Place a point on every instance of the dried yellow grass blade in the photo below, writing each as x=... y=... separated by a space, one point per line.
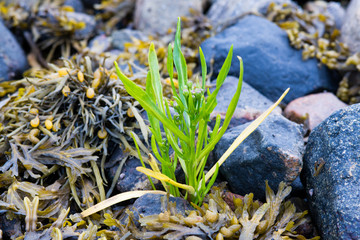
x=247 y=131
x=163 y=177
x=117 y=199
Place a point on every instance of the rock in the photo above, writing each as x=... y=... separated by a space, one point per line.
x=350 y=31
x=120 y=37
x=89 y=21
x=333 y=190
x=12 y=57
x=270 y=64
x=315 y=108
x=130 y=179
x=158 y=16
x=272 y=152
x=222 y=11
x=100 y=44
x=334 y=10
x=150 y=204
x=251 y=103
x=77 y=5
x=11 y=229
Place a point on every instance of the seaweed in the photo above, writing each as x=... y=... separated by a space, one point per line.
x=275 y=219
x=315 y=33
x=53 y=127
x=46 y=26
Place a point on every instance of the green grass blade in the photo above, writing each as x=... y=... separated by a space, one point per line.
x=155 y=77
x=146 y=102
x=169 y=62
x=229 y=114
x=203 y=68
x=141 y=159
x=180 y=63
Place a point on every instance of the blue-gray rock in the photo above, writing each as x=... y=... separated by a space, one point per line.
x=13 y=61
x=251 y=103
x=89 y=21
x=130 y=179
x=272 y=152
x=156 y=17
x=350 y=31
x=222 y=11
x=77 y=5
x=150 y=204
x=100 y=44
x=333 y=10
x=270 y=64
x=120 y=37
x=334 y=189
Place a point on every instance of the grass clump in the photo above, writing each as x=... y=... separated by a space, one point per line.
x=186 y=131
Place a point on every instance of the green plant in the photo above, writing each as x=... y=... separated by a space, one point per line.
x=186 y=132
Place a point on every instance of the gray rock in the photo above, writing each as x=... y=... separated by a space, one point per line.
x=89 y=21
x=13 y=61
x=350 y=31
x=150 y=204
x=10 y=228
x=158 y=16
x=100 y=44
x=120 y=37
x=130 y=179
x=272 y=152
x=222 y=11
x=270 y=64
x=251 y=103
x=77 y=5
x=334 y=192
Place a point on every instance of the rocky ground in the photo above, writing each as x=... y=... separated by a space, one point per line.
x=311 y=142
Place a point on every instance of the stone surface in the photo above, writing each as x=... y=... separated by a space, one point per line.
x=76 y=4
x=334 y=192
x=272 y=152
x=333 y=10
x=270 y=64
x=130 y=179
x=251 y=103
x=100 y=44
x=12 y=57
x=89 y=21
x=150 y=204
x=10 y=228
x=158 y=16
x=315 y=108
x=350 y=31
x=222 y=11
x=120 y=37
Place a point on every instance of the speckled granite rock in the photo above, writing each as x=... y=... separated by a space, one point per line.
x=334 y=189
x=272 y=152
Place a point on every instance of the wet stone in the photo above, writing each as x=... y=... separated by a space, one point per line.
x=250 y=105
x=332 y=174
x=271 y=65
x=350 y=31
x=130 y=179
x=313 y=108
x=147 y=14
x=150 y=204
x=272 y=152
x=220 y=12
x=12 y=57
x=120 y=37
